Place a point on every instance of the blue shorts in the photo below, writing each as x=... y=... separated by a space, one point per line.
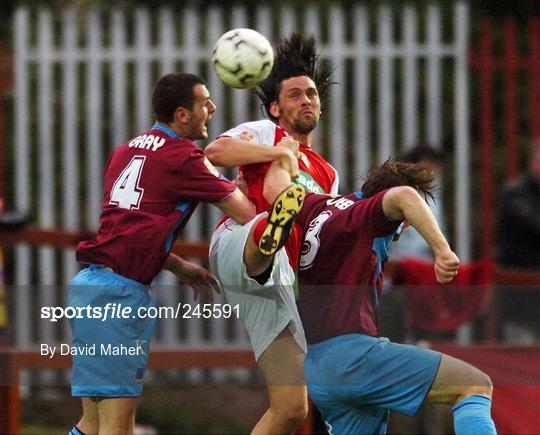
x=356 y=379
x=110 y=354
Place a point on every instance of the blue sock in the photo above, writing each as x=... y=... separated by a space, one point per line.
x=75 y=431
x=472 y=415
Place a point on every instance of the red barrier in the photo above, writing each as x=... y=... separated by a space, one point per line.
x=486 y=66
x=510 y=68
x=488 y=62
x=13 y=360
x=534 y=82
x=515 y=373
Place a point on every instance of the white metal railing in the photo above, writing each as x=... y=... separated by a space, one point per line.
x=83 y=81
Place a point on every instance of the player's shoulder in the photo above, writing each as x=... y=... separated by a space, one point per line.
x=262 y=131
x=314 y=203
x=261 y=125
x=314 y=198
x=371 y=201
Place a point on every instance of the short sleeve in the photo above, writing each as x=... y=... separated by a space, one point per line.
x=370 y=211
x=200 y=180
x=260 y=132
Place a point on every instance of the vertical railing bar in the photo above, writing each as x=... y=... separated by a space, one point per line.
x=338 y=154
x=22 y=198
x=119 y=74
x=166 y=46
x=410 y=78
x=142 y=71
x=385 y=85
x=462 y=117
x=70 y=155
x=46 y=196
x=433 y=118
x=313 y=28
x=94 y=119
x=362 y=125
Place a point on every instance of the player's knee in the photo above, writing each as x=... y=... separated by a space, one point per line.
x=296 y=416
x=293 y=413
x=482 y=386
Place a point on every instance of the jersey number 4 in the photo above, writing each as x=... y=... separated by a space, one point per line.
x=126 y=192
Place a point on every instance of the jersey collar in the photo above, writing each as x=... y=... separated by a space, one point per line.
x=167 y=130
x=286 y=134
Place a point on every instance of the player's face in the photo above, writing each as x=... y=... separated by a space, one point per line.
x=298 y=107
x=200 y=114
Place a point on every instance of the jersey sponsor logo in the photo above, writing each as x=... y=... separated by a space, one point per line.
x=307 y=182
x=147 y=141
x=211 y=168
x=311 y=244
x=245 y=135
x=340 y=202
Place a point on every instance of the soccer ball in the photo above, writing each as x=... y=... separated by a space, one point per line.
x=242 y=58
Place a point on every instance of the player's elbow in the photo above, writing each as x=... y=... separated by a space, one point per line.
x=244 y=211
x=216 y=152
x=245 y=215
x=238 y=207
x=296 y=416
x=481 y=386
x=291 y=413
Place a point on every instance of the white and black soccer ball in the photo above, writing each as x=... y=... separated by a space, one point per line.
x=242 y=58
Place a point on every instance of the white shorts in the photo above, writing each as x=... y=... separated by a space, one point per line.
x=266 y=310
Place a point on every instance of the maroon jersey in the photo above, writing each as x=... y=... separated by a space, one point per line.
x=152 y=185
x=344 y=246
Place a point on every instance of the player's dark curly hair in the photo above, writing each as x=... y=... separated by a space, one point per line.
x=296 y=56
x=393 y=174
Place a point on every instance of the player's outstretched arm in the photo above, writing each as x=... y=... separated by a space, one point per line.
x=404 y=202
x=231 y=152
x=238 y=207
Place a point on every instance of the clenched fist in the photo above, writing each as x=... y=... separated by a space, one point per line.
x=446 y=266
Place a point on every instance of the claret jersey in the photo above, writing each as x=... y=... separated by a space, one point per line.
x=152 y=185
x=344 y=246
x=316 y=174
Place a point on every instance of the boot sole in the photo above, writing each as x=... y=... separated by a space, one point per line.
x=281 y=219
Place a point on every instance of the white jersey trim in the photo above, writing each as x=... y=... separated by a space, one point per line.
x=260 y=132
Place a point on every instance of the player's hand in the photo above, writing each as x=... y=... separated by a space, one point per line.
x=291 y=144
x=199 y=279
x=289 y=162
x=446 y=266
